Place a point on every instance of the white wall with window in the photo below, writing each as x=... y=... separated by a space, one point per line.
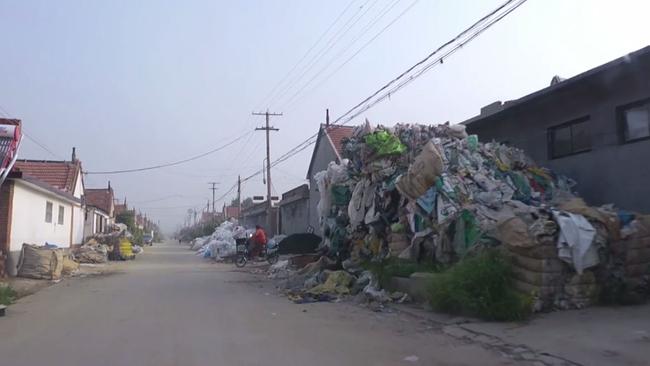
x=39 y=216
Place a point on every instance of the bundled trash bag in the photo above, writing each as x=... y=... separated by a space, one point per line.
x=40 y=262
x=422 y=174
x=91 y=253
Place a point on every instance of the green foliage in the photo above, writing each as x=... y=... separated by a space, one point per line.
x=137 y=236
x=480 y=286
x=127 y=218
x=7 y=295
x=396 y=267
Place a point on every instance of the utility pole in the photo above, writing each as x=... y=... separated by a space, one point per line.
x=239 y=197
x=213 y=189
x=268 y=129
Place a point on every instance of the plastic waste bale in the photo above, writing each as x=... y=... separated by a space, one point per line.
x=40 y=262
x=91 y=253
x=422 y=174
x=221 y=249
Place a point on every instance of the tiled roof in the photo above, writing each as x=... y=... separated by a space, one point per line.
x=337 y=134
x=334 y=134
x=120 y=208
x=101 y=198
x=59 y=174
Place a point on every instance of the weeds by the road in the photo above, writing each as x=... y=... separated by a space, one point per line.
x=395 y=267
x=480 y=286
x=7 y=295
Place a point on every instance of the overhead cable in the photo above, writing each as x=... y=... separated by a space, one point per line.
x=164 y=165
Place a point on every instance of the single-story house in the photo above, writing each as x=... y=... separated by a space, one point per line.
x=100 y=210
x=593 y=127
x=40 y=203
x=328 y=148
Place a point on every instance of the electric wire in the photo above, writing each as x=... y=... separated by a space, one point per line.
x=355 y=54
x=482 y=24
x=165 y=165
x=389 y=6
x=330 y=44
x=284 y=78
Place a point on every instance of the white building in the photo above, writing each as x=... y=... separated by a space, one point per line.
x=100 y=210
x=41 y=202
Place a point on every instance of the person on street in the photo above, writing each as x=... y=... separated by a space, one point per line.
x=259 y=240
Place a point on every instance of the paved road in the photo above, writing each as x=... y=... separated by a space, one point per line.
x=169 y=307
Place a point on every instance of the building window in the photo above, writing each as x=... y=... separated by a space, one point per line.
x=635 y=121
x=61 y=214
x=48 y=211
x=569 y=138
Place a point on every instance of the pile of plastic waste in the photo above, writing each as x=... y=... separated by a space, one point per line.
x=222 y=243
x=434 y=194
x=430 y=193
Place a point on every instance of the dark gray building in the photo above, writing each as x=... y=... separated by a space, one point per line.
x=294 y=211
x=594 y=128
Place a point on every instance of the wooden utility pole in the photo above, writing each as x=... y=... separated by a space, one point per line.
x=268 y=129
x=239 y=197
x=213 y=189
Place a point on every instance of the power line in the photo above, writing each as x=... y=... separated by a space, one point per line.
x=284 y=78
x=172 y=163
x=330 y=44
x=467 y=36
x=370 y=41
x=428 y=57
x=363 y=32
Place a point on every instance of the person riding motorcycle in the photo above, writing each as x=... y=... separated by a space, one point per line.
x=258 y=241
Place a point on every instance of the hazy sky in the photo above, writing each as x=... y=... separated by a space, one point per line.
x=137 y=83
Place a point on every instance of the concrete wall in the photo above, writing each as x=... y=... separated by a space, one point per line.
x=613 y=171
x=257 y=215
x=323 y=156
x=28 y=221
x=294 y=211
x=294 y=217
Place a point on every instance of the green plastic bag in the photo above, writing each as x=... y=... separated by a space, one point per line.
x=341 y=195
x=385 y=144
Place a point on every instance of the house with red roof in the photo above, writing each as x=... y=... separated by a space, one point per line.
x=41 y=202
x=99 y=210
x=328 y=148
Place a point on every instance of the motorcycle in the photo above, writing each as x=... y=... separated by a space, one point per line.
x=271 y=255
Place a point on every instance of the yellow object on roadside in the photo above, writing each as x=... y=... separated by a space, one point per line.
x=126 y=249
